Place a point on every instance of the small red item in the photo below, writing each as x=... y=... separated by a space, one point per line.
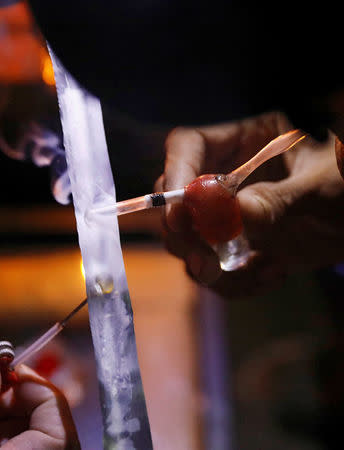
x=47 y=363
x=214 y=209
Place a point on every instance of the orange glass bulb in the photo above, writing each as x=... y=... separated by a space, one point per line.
x=213 y=208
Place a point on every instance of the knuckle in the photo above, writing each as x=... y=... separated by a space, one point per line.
x=182 y=135
x=173 y=135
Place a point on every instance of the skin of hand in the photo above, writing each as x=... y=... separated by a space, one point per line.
x=291 y=206
x=34 y=415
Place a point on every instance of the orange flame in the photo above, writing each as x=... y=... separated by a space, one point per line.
x=82 y=269
x=47 y=69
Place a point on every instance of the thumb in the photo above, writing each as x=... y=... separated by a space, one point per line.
x=263 y=204
x=185 y=150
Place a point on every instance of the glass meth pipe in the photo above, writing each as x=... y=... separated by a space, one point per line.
x=9 y=361
x=46 y=337
x=212 y=203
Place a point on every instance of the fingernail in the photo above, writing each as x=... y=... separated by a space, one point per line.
x=194 y=263
x=210 y=270
x=204 y=268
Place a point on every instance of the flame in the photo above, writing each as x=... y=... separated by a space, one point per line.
x=82 y=269
x=47 y=69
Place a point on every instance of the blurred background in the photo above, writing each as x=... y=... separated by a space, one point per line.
x=263 y=373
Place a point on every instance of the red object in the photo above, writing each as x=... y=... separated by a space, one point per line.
x=8 y=376
x=47 y=363
x=214 y=209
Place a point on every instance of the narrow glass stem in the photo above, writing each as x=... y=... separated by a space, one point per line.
x=38 y=344
x=277 y=146
x=46 y=337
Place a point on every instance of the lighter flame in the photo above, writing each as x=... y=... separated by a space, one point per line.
x=47 y=70
x=82 y=269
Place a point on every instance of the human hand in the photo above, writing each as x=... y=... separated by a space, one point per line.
x=291 y=206
x=35 y=415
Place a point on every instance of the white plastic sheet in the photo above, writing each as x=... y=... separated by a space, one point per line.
x=125 y=417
